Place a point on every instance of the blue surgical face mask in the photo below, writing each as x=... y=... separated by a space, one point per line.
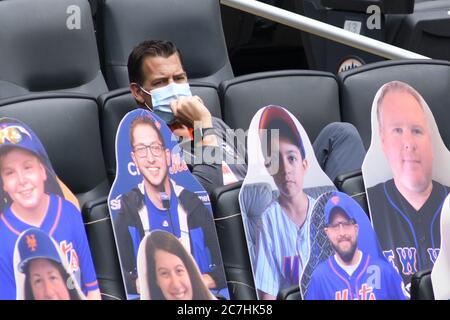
x=162 y=97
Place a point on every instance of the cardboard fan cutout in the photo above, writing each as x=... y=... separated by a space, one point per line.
x=44 y=269
x=283 y=174
x=346 y=262
x=406 y=174
x=440 y=275
x=32 y=196
x=154 y=190
x=167 y=271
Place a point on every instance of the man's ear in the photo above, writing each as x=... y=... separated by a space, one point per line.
x=137 y=93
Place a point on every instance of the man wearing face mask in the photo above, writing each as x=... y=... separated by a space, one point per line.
x=159 y=82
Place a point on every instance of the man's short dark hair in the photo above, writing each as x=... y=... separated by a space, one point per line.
x=148 y=48
x=145 y=120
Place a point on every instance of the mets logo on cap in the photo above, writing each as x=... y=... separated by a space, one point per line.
x=342 y=202
x=33 y=244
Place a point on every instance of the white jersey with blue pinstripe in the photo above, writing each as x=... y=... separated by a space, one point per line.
x=283 y=249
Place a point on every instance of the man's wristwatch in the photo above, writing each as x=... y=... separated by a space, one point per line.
x=199 y=133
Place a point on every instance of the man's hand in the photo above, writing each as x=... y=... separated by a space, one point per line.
x=190 y=110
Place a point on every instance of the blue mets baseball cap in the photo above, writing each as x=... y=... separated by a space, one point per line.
x=276 y=117
x=33 y=244
x=15 y=134
x=342 y=203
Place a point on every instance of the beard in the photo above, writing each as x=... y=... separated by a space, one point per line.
x=346 y=255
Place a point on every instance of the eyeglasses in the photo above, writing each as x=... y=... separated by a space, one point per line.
x=345 y=225
x=156 y=150
x=13 y=134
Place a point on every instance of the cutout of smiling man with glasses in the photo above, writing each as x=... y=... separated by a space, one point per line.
x=350 y=273
x=159 y=204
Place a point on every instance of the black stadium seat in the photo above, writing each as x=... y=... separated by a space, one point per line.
x=115 y=104
x=431 y=78
x=48 y=45
x=290 y=293
x=311 y=96
x=237 y=27
x=68 y=126
x=232 y=240
x=352 y=183
x=193 y=25
x=421 y=286
x=427 y=30
x=104 y=251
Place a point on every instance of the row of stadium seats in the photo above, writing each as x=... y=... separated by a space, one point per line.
x=317 y=92
x=79 y=132
x=319 y=104
x=51 y=44
x=53 y=82
x=67 y=50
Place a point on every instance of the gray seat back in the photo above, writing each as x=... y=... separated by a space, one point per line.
x=431 y=78
x=48 y=45
x=311 y=96
x=421 y=286
x=193 y=25
x=232 y=240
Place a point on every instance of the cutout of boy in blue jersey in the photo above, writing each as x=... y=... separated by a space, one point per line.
x=32 y=197
x=350 y=273
x=283 y=246
x=157 y=203
x=46 y=273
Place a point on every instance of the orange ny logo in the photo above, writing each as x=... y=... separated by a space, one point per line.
x=335 y=200
x=31 y=242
